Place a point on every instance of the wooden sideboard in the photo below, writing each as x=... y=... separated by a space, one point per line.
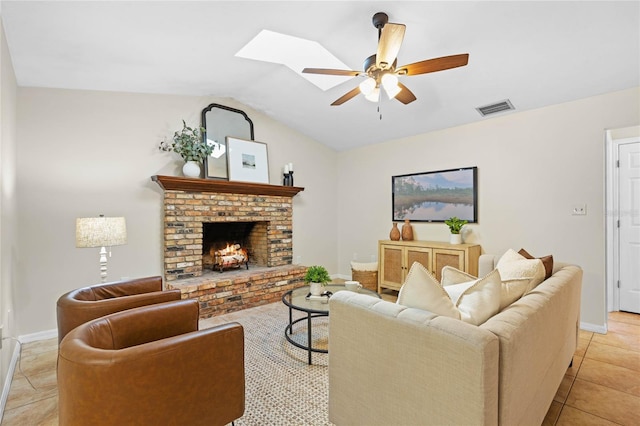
x=396 y=258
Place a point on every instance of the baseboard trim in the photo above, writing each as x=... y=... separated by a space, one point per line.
x=41 y=335
x=15 y=358
x=9 y=379
x=601 y=329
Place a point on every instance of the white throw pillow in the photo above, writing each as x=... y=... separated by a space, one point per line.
x=455 y=282
x=513 y=290
x=481 y=300
x=455 y=290
x=513 y=266
x=451 y=275
x=475 y=301
x=423 y=291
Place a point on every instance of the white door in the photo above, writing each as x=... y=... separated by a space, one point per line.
x=629 y=228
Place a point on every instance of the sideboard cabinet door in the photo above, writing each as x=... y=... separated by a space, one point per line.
x=396 y=257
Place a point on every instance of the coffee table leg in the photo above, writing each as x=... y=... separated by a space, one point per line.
x=290 y=321
x=309 y=342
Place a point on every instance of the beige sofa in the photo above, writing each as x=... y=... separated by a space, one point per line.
x=393 y=365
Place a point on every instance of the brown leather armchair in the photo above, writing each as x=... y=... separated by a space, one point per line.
x=84 y=304
x=151 y=366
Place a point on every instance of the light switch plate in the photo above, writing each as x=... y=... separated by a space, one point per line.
x=579 y=210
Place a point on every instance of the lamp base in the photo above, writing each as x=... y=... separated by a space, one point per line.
x=103 y=264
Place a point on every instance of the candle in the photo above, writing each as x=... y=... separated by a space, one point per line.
x=290 y=167
x=286 y=168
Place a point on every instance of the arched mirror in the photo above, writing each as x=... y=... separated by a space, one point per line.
x=220 y=121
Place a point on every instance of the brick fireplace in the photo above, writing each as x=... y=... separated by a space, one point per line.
x=195 y=207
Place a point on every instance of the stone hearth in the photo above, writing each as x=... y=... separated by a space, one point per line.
x=190 y=203
x=240 y=289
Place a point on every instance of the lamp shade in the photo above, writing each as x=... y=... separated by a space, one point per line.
x=100 y=231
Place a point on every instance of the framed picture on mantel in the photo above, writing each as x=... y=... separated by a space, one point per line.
x=247 y=160
x=436 y=196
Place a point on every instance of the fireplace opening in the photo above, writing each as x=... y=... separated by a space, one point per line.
x=234 y=240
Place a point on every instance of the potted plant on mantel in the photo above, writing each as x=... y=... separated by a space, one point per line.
x=317 y=277
x=190 y=145
x=455 y=226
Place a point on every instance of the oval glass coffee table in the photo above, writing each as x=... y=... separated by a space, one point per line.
x=314 y=308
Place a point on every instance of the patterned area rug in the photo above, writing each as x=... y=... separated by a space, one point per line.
x=281 y=388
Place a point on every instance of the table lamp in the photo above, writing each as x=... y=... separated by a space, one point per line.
x=101 y=232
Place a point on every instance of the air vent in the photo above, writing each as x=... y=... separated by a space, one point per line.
x=505 y=105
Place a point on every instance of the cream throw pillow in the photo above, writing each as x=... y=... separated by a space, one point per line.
x=513 y=290
x=515 y=267
x=455 y=282
x=456 y=290
x=475 y=302
x=423 y=291
x=481 y=300
x=476 y=299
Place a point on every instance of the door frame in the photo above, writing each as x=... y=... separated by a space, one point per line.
x=611 y=217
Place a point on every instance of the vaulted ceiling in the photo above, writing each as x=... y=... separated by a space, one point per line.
x=534 y=53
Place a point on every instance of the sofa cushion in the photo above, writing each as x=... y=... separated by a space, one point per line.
x=515 y=267
x=455 y=282
x=422 y=290
x=547 y=261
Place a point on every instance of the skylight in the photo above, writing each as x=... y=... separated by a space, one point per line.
x=295 y=53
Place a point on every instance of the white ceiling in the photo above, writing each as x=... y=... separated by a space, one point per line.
x=534 y=53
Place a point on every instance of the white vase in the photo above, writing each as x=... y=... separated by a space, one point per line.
x=191 y=169
x=316 y=289
x=456 y=239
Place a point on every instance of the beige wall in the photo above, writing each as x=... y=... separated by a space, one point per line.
x=533 y=167
x=85 y=153
x=7 y=203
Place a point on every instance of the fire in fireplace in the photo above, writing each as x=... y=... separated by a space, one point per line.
x=232 y=256
x=227 y=245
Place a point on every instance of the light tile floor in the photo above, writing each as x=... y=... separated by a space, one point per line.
x=601 y=388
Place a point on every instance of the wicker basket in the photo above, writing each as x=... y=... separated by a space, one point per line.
x=368 y=279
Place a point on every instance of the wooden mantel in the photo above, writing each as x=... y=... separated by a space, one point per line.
x=175 y=183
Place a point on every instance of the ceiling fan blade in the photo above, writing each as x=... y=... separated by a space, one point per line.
x=389 y=45
x=405 y=95
x=433 y=65
x=330 y=71
x=344 y=98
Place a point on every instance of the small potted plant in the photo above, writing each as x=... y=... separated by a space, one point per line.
x=455 y=226
x=317 y=277
x=189 y=144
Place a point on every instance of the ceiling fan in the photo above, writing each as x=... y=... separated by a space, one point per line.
x=381 y=70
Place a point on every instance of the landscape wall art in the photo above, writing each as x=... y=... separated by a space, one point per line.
x=436 y=196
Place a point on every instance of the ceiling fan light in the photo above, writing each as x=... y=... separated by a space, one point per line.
x=392 y=92
x=367 y=86
x=374 y=95
x=389 y=81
